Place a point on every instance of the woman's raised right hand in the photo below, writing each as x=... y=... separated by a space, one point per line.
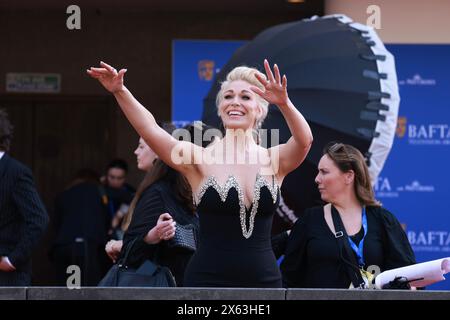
x=108 y=77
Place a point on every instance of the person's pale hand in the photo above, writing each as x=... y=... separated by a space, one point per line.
x=108 y=77
x=275 y=87
x=164 y=229
x=113 y=248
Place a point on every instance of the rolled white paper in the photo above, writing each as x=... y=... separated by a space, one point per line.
x=431 y=272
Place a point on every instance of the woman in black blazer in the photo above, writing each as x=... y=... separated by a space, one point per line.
x=313 y=258
x=162 y=201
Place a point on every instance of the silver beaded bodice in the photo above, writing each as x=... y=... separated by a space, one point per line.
x=231 y=182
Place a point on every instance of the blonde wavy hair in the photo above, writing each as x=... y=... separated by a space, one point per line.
x=248 y=75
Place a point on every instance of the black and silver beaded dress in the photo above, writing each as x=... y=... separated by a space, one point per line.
x=235 y=242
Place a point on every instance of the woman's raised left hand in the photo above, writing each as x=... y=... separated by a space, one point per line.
x=275 y=86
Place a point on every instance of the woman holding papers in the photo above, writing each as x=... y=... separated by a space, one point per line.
x=335 y=245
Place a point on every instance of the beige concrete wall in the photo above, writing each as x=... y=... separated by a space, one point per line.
x=402 y=21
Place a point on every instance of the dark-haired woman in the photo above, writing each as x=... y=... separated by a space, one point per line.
x=163 y=200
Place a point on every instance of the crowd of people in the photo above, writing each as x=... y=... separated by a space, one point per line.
x=190 y=192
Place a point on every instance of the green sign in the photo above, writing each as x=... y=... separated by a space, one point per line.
x=33 y=82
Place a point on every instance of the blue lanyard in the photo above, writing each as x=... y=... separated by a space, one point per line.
x=359 y=250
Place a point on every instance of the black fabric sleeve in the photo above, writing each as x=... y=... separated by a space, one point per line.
x=146 y=213
x=279 y=242
x=398 y=249
x=294 y=261
x=32 y=210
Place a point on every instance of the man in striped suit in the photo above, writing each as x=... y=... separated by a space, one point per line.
x=23 y=218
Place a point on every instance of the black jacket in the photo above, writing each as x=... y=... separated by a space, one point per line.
x=158 y=198
x=312 y=258
x=23 y=218
x=80 y=213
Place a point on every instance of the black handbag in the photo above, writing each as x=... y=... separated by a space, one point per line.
x=184 y=238
x=401 y=283
x=149 y=274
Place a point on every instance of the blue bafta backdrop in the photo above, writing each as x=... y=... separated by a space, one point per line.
x=414 y=183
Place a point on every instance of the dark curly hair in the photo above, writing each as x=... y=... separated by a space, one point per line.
x=6 y=131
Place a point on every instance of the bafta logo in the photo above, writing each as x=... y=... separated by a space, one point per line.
x=206 y=70
x=401 y=127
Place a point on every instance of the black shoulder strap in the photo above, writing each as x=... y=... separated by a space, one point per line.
x=123 y=261
x=346 y=253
